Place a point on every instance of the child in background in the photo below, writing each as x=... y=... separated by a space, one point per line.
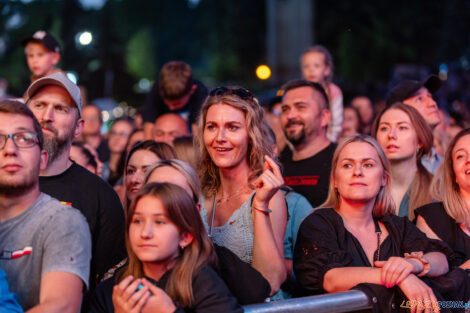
x=42 y=54
x=317 y=66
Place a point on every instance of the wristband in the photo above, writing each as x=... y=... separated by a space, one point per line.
x=266 y=212
x=419 y=256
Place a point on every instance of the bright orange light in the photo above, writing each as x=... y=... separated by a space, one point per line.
x=263 y=72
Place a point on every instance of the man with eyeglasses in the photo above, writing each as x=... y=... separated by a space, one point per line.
x=45 y=246
x=55 y=101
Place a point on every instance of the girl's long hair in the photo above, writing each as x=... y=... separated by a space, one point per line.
x=420 y=193
x=182 y=212
x=445 y=188
x=383 y=201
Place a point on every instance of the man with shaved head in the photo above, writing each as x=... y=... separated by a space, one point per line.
x=168 y=127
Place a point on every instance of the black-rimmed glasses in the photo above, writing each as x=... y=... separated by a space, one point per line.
x=24 y=139
x=240 y=92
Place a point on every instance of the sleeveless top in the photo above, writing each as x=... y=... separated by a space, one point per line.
x=237 y=233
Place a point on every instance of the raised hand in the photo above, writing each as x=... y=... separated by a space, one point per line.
x=396 y=269
x=267 y=184
x=126 y=297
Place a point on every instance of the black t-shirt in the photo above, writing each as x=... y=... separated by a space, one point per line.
x=310 y=177
x=209 y=292
x=154 y=105
x=446 y=228
x=102 y=209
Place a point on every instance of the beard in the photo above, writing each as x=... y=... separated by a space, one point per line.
x=295 y=138
x=22 y=186
x=56 y=144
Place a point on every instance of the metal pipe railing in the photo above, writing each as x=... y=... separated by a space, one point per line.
x=328 y=303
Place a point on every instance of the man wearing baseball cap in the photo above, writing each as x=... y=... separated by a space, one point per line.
x=42 y=54
x=418 y=94
x=56 y=103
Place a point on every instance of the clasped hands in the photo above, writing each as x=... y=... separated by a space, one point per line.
x=128 y=298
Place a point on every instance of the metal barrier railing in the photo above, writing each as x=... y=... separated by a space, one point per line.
x=340 y=302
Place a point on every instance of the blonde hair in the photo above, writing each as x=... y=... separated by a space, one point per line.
x=383 y=202
x=184 y=149
x=181 y=211
x=185 y=169
x=260 y=142
x=445 y=188
x=422 y=180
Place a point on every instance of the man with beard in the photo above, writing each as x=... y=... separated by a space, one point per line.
x=304 y=118
x=45 y=246
x=55 y=101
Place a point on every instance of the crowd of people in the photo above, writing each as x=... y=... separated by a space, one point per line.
x=211 y=200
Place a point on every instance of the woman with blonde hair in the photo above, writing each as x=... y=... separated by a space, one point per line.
x=405 y=138
x=355 y=237
x=449 y=219
x=241 y=203
x=169 y=259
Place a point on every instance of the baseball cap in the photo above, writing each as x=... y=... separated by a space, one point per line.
x=407 y=88
x=44 y=38
x=57 y=79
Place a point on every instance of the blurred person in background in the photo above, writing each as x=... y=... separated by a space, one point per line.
x=317 y=66
x=92 y=131
x=140 y=157
x=117 y=140
x=169 y=126
x=82 y=156
x=366 y=110
x=352 y=123
x=184 y=149
x=176 y=91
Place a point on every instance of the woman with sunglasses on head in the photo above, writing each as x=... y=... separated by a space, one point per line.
x=449 y=220
x=405 y=138
x=355 y=238
x=170 y=258
x=241 y=203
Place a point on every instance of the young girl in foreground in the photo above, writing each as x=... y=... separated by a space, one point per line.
x=169 y=253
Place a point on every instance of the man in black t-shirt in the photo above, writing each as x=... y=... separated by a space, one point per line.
x=175 y=92
x=304 y=118
x=56 y=103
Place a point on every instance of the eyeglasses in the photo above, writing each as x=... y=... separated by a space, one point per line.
x=25 y=139
x=240 y=92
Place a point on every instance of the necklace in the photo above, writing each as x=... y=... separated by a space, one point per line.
x=378 y=232
x=225 y=199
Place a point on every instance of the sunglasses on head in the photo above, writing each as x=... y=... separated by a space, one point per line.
x=239 y=92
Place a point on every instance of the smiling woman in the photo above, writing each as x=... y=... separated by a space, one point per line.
x=449 y=220
x=241 y=205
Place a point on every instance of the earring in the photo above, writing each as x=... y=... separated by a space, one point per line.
x=182 y=246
